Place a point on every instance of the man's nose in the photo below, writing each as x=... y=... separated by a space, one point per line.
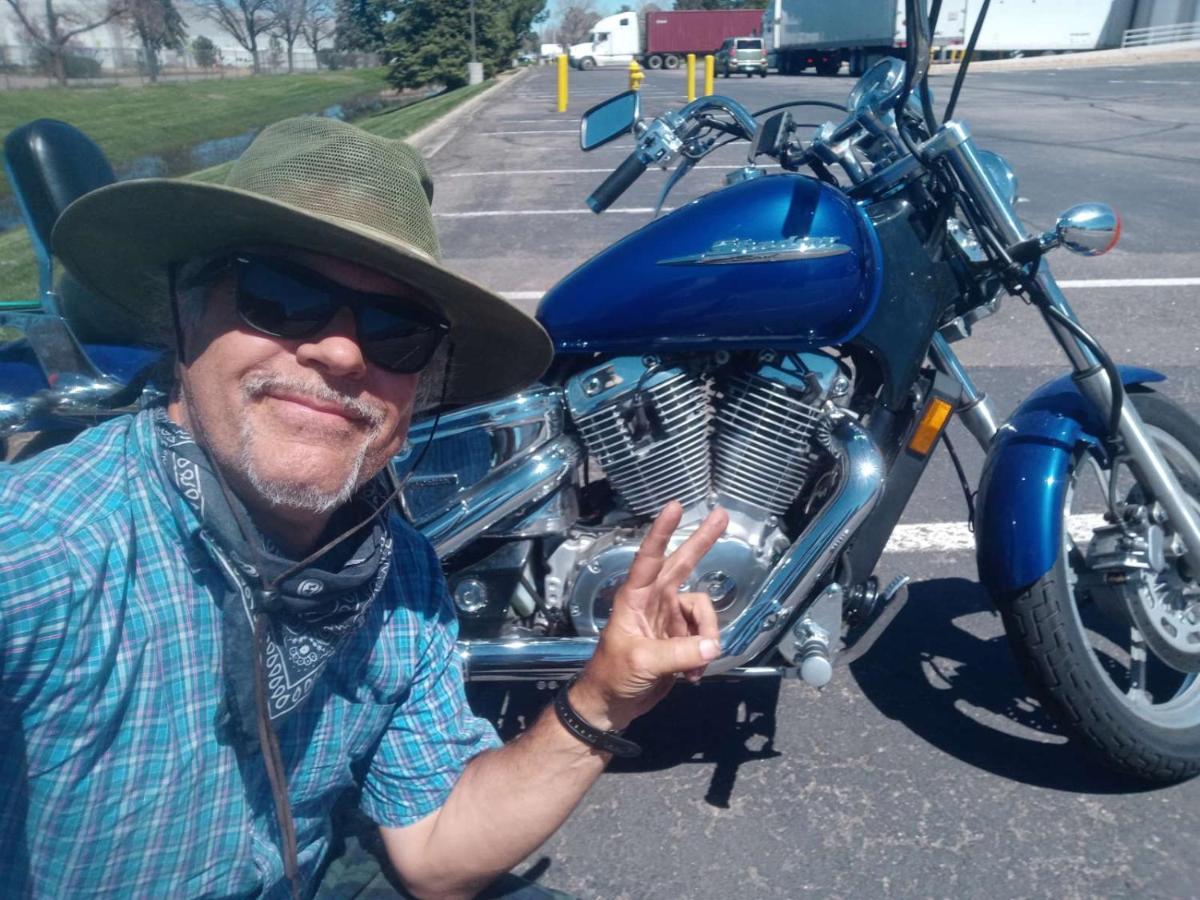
x=334 y=348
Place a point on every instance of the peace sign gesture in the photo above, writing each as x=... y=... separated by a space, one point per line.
x=654 y=631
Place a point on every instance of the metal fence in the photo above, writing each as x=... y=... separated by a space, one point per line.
x=23 y=66
x=1161 y=34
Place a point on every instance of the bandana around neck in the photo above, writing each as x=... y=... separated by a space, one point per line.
x=308 y=611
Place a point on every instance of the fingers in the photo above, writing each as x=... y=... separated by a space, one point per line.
x=667 y=656
x=701 y=615
x=649 y=560
x=702 y=620
x=681 y=563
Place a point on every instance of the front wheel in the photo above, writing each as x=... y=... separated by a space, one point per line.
x=587 y=64
x=1115 y=652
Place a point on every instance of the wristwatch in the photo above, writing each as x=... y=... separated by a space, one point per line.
x=607 y=741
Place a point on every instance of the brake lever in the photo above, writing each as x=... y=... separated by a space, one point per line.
x=677 y=174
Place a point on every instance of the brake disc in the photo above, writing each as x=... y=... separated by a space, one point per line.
x=1166 y=610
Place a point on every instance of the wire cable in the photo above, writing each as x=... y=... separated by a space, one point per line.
x=962 y=70
x=826 y=104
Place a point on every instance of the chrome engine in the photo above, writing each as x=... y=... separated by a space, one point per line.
x=746 y=438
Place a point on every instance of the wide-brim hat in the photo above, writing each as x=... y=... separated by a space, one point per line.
x=312 y=184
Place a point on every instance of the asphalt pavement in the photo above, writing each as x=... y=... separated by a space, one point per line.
x=925 y=769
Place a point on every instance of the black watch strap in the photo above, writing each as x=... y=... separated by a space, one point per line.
x=607 y=741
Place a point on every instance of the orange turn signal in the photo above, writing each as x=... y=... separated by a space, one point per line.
x=936 y=415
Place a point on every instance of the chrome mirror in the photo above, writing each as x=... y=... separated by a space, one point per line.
x=608 y=120
x=878 y=88
x=1091 y=229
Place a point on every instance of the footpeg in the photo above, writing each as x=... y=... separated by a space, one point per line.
x=871 y=614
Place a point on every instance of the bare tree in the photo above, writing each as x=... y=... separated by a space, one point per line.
x=243 y=20
x=318 y=25
x=51 y=30
x=287 y=18
x=575 y=21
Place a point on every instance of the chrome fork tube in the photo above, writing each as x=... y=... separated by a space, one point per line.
x=1151 y=470
x=974 y=408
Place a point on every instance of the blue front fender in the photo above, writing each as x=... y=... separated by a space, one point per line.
x=1021 y=494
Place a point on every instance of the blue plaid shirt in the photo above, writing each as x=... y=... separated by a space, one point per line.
x=112 y=779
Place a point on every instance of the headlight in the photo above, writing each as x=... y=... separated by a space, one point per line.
x=1000 y=174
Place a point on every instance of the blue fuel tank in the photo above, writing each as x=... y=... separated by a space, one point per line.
x=781 y=261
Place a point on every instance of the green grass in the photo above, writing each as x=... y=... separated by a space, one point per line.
x=129 y=122
x=245 y=103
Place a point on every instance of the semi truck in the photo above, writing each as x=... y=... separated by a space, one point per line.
x=820 y=35
x=662 y=40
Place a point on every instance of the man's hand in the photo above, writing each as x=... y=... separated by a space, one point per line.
x=654 y=631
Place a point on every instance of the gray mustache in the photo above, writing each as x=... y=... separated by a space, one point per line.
x=256 y=386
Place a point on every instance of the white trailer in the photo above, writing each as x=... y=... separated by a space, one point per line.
x=1025 y=26
x=821 y=35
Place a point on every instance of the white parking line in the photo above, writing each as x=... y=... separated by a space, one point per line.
x=532 y=131
x=1130 y=282
x=1082 y=285
x=489 y=213
x=604 y=170
x=929 y=537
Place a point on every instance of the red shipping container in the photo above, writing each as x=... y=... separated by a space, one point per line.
x=699 y=30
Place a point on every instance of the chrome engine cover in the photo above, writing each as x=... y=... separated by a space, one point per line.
x=586 y=570
x=746 y=439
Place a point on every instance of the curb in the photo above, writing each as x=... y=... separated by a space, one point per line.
x=426 y=140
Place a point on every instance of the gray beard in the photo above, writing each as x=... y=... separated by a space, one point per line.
x=293 y=495
x=296 y=495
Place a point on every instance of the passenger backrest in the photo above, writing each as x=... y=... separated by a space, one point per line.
x=51 y=164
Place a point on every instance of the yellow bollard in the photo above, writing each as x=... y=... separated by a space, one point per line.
x=636 y=75
x=562 y=82
x=710 y=67
x=691 y=76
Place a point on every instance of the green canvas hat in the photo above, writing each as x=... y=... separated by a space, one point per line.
x=313 y=184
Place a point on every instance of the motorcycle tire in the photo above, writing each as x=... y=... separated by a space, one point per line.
x=1147 y=727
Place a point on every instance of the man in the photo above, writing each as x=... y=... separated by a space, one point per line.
x=212 y=624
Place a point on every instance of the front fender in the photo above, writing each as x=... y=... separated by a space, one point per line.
x=1023 y=487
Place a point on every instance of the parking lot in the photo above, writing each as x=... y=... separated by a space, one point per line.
x=925 y=769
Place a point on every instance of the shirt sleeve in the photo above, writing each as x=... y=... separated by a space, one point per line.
x=433 y=733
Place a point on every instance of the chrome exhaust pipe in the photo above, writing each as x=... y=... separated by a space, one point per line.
x=791 y=582
x=506 y=490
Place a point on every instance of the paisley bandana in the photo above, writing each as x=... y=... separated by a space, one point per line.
x=309 y=610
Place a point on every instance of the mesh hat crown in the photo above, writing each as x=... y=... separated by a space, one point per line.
x=313 y=184
x=337 y=170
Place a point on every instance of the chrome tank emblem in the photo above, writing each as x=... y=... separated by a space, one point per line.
x=731 y=251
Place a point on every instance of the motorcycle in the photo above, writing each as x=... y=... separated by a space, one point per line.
x=782 y=347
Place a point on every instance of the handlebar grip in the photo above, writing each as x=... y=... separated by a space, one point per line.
x=617 y=183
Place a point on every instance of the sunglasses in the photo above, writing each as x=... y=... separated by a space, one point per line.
x=289 y=301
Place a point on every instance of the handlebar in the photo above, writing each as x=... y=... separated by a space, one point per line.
x=617 y=183
x=663 y=140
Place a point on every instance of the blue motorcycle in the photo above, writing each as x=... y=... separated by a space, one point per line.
x=782 y=348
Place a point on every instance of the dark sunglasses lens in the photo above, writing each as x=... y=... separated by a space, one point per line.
x=275 y=302
x=396 y=341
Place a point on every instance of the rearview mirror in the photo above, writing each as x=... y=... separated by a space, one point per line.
x=610 y=119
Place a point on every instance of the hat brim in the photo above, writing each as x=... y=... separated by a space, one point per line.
x=119 y=240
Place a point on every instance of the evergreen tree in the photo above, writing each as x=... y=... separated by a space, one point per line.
x=360 y=23
x=159 y=26
x=430 y=40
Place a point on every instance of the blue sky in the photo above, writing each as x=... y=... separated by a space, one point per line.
x=604 y=7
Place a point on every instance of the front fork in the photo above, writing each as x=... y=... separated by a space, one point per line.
x=1148 y=466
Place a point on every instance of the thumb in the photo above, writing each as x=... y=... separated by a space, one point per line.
x=667 y=656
